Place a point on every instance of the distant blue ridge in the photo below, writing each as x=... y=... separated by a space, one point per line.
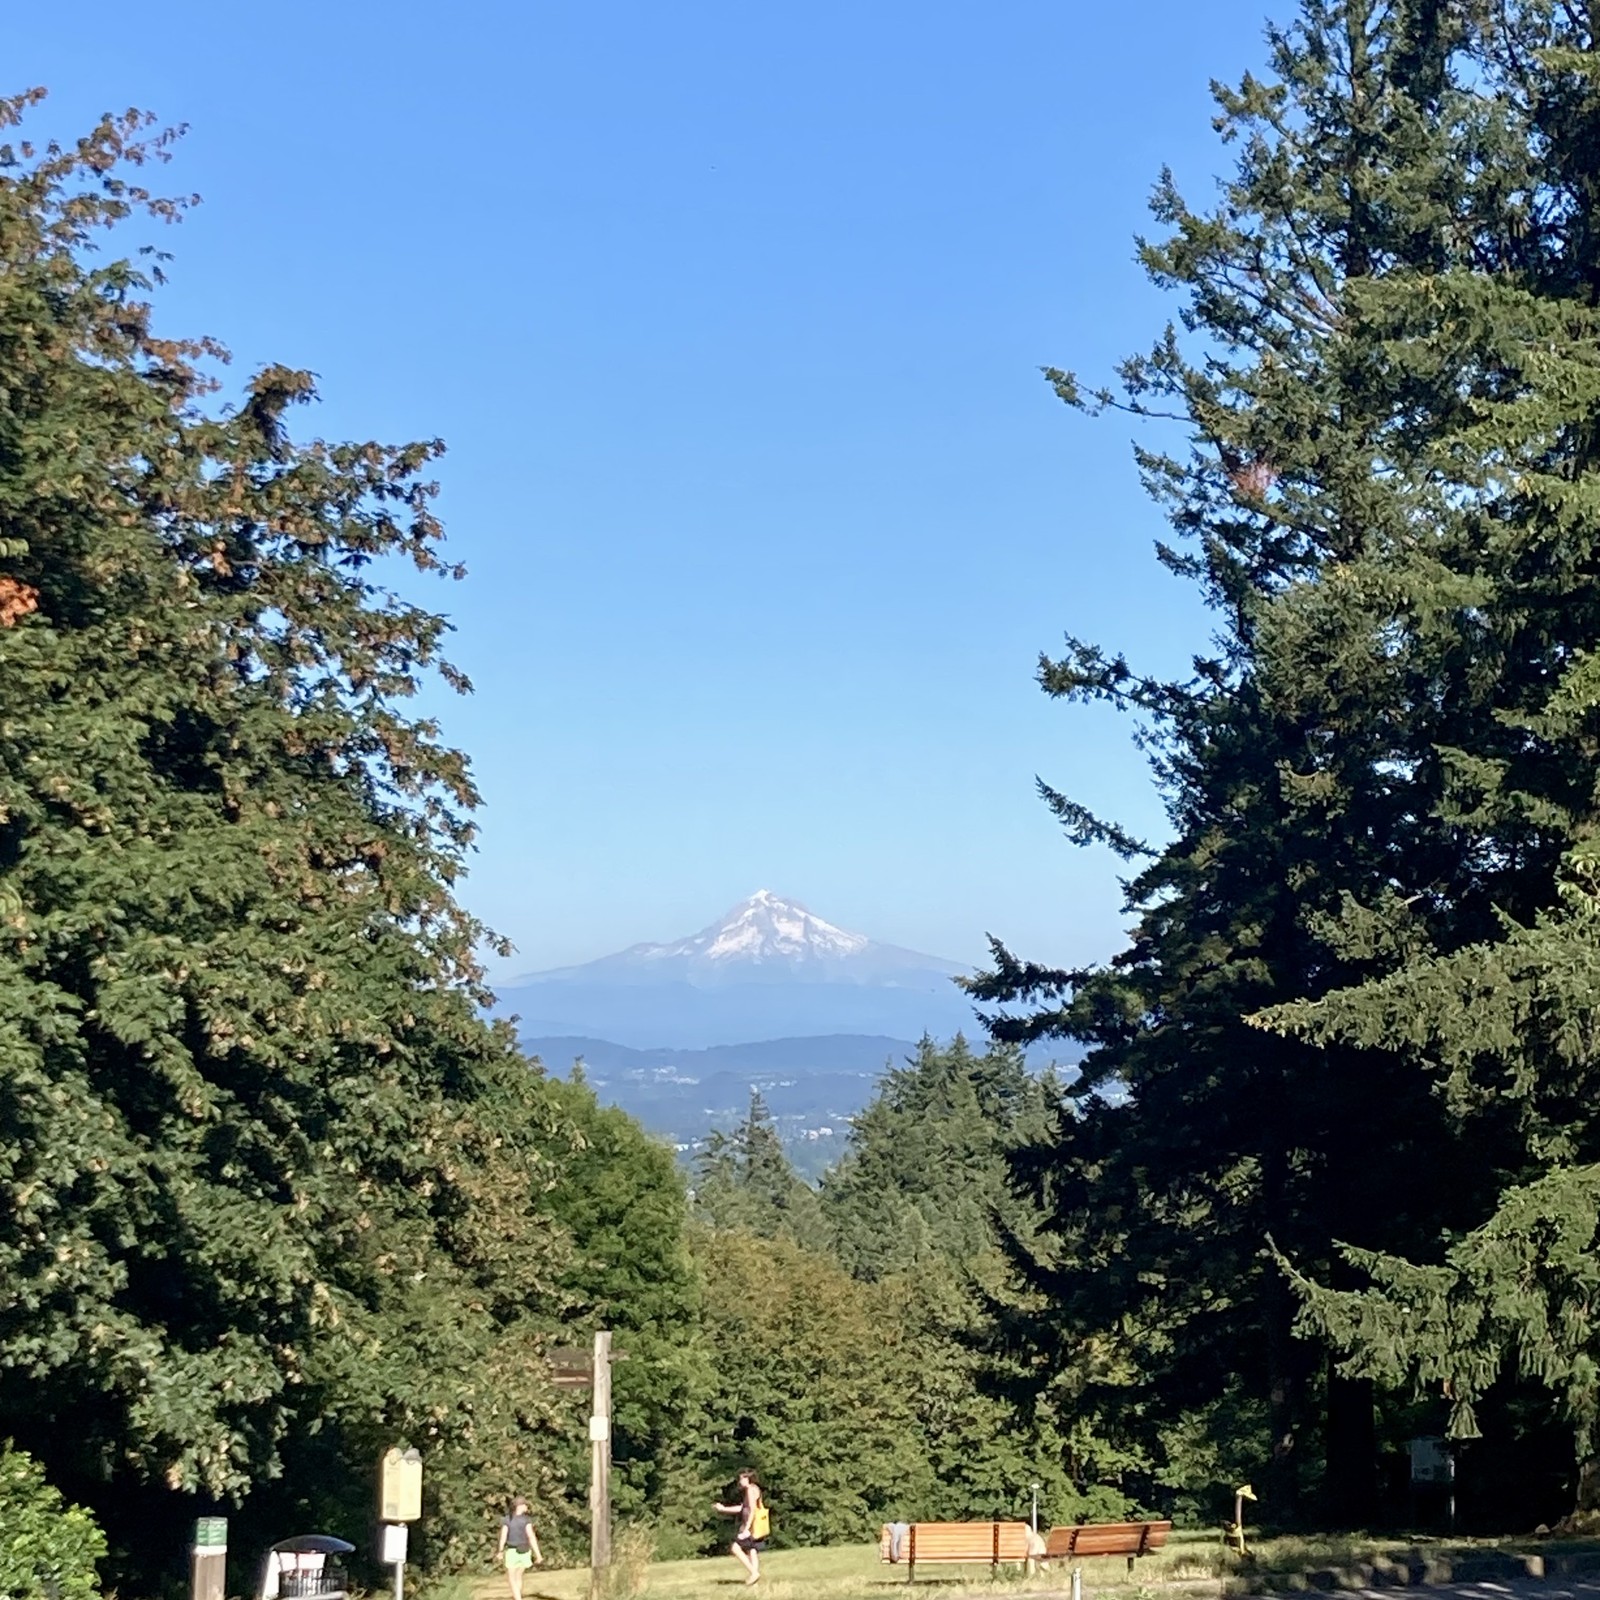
x=687 y=1017
x=813 y=1087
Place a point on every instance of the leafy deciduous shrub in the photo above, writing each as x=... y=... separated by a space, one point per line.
x=48 y=1549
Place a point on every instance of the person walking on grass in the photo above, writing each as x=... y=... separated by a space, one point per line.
x=754 y=1525
x=519 y=1546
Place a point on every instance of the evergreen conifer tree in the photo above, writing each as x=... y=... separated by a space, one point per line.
x=1306 y=763
x=744 y=1180
x=1505 y=1026
x=919 y=1204
x=1492 y=1002
x=924 y=1175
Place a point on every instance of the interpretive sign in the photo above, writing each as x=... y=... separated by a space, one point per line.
x=400 y=1486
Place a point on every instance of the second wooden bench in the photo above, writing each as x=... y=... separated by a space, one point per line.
x=968 y=1542
x=1130 y=1539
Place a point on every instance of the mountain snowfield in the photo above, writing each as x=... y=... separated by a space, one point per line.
x=763 y=928
x=763 y=939
x=769 y=969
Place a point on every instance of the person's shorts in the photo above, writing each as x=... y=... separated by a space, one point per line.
x=516 y=1559
x=747 y=1543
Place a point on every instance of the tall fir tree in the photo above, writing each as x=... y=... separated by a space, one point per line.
x=1306 y=765
x=920 y=1203
x=1501 y=1026
x=743 y=1179
x=924 y=1174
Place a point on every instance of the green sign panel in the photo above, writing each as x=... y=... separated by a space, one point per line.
x=211 y=1533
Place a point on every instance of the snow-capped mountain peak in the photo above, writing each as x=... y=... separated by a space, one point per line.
x=766 y=939
x=766 y=927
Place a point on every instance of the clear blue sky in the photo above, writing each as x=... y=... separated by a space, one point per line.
x=731 y=315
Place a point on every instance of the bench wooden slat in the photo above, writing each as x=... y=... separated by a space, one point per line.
x=959 y=1542
x=994 y=1542
x=968 y=1541
x=1107 y=1539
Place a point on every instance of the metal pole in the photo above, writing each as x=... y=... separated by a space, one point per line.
x=1077 y=1583
x=1035 y=1488
x=399 y=1580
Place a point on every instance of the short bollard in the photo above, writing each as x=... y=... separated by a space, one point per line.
x=1077 y=1583
x=208 y=1559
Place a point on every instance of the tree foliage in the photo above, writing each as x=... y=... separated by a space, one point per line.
x=924 y=1179
x=48 y=1550
x=920 y=1204
x=623 y=1201
x=1497 y=1012
x=271 y=1188
x=1381 y=378
x=843 y=1331
x=812 y=1386
x=744 y=1180
x=1507 y=1026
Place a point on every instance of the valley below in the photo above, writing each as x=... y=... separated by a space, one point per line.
x=813 y=1087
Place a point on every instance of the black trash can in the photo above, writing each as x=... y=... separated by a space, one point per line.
x=307 y=1567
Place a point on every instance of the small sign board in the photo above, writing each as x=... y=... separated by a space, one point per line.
x=211 y=1534
x=570 y=1366
x=396 y=1536
x=400 y=1486
x=1431 y=1461
x=599 y=1429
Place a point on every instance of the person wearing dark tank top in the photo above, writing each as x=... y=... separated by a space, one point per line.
x=519 y=1545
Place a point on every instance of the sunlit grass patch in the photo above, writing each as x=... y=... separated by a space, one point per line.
x=1195 y=1565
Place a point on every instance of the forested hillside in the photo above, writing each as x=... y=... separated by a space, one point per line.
x=844 y=1321
x=829 y=1338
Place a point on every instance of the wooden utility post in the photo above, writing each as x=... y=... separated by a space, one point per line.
x=600 y=1465
x=573 y=1368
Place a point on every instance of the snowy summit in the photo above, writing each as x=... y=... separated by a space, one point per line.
x=766 y=927
x=765 y=939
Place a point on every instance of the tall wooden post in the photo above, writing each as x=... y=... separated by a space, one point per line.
x=600 y=1466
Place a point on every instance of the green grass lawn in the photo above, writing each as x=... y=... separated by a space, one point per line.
x=842 y=1572
x=1192 y=1563
x=1193 y=1566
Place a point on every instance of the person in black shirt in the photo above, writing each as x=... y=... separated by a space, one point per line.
x=519 y=1545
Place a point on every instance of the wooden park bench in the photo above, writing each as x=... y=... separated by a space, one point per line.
x=1130 y=1539
x=971 y=1542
